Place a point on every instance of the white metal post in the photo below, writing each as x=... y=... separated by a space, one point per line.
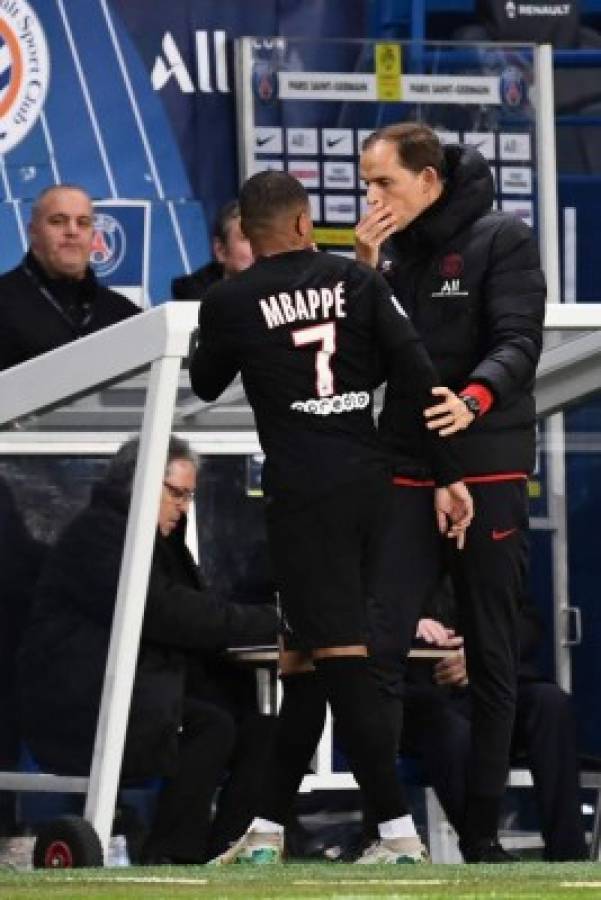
x=557 y=513
x=243 y=55
x=131 y=597
x=547 y=169
x=549 y=248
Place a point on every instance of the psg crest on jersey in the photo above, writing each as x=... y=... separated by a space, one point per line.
x=514 y=91
x=108 y=245
x=24 y=72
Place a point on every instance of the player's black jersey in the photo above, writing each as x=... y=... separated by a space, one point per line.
x=312 y=334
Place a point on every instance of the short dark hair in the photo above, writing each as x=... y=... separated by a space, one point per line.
x=119 y=474
x=52 y=189
x=226 y=214
x=267 y=195
x=418 y=146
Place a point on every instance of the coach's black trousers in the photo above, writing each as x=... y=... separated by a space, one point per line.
x=437 y=729
x=488 y=578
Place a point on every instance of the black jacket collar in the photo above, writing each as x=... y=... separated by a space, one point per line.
x=64 y=290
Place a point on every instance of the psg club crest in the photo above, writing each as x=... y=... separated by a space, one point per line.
x=514 y=91
x=108 y=245
x=265 y=82
x=451 y=265
x=24 y=72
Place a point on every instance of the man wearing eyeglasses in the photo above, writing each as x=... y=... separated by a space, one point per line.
x=52 y=296
x=176 y=495
x=184 y=723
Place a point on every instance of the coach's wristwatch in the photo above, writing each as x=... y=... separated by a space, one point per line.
x=472 y=403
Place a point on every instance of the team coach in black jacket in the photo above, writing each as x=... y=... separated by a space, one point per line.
x=63 y=655
x=52 y=296
x=470 y=280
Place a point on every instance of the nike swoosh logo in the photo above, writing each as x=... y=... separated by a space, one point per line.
x=501 y=535
x=331 y=142
x=265 y=140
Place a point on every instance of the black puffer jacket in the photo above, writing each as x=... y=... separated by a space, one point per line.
x=471 y=282
x=63 y=655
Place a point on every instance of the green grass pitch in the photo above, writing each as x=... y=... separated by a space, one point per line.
x=320 y=881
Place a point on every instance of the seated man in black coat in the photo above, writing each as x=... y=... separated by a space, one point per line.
x=437 y=725
x=52 y=297
x=231 y=254
x=171 y=732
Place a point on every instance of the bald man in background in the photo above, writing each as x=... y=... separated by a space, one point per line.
x=53 y=297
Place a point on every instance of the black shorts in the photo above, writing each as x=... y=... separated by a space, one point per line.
x=323 y=550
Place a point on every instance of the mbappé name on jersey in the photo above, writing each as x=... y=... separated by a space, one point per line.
x=303 y=305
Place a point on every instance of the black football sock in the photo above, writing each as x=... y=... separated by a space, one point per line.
x=365 y=731
x=300 y=724
x=393 y=711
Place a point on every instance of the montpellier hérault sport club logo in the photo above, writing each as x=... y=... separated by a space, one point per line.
x=24 y=71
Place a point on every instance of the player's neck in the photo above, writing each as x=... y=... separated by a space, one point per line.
x=277 y=245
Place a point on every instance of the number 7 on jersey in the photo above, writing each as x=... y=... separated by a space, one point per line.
x=325 y=335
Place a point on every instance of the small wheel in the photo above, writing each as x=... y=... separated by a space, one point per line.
x=68 y=842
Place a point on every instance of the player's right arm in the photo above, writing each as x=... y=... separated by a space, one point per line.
x=214 y=364
x=410 y=364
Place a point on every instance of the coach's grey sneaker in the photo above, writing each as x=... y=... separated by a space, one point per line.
x=254 y=848
x=394 y=851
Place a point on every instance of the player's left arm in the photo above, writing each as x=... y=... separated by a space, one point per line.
x=214 y=364
x=512 y=309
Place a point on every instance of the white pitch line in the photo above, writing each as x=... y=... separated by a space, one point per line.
x=138 y=879
x=411 y=882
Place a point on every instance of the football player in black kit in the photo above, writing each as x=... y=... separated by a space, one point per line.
x=312 y=335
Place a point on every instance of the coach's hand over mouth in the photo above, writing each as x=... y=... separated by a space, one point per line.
x=378 y=223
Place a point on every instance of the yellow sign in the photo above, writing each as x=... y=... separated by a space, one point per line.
x=334 y=237
x=388 y=71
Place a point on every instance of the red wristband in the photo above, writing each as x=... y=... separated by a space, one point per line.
x=482 y=395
